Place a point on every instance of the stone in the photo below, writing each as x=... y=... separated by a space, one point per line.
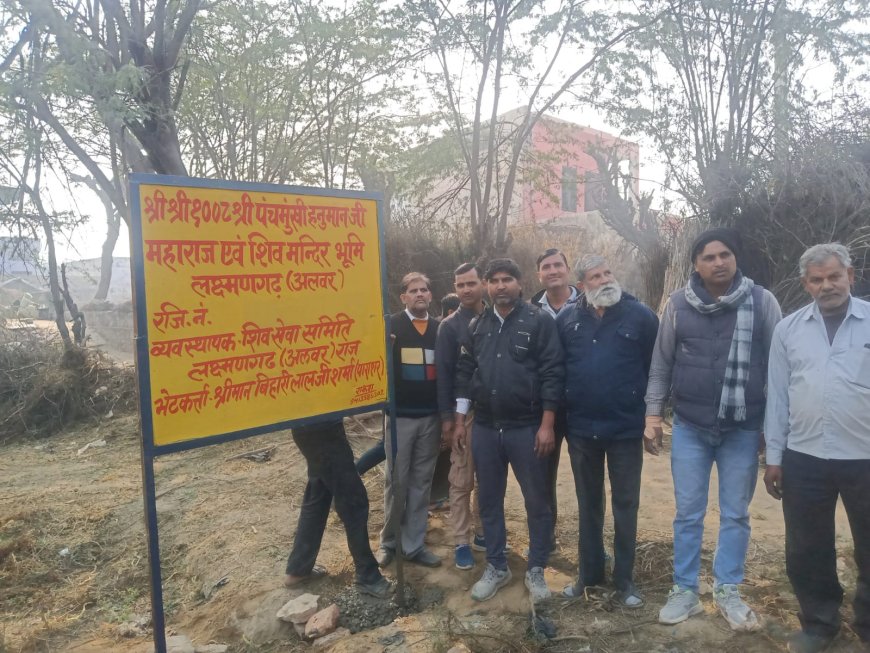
x=323 y=623
x=300 y=630
x=212 y=648
x=254 y=620
x=128 y=629
x=299 y=610
x=459 y=648
x=325 y=642
x=179 y=644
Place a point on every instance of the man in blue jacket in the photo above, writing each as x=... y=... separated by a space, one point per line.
x=608 y=338
x=511 y=368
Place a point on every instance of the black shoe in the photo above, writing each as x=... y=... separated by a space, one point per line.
x=425 y=558
x=380 y=589
x=807 y=643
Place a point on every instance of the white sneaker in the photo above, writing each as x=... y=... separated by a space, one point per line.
x=491 y=582
x=738 y=615
x=537 y=585
x=682 y=604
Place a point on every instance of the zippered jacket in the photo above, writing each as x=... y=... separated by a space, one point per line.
x=512 y=371
x=607 y=363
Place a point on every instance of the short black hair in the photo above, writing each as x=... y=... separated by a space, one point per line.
x=468 y=267
x=547 y=254
x=502 y=265
x=449 y=302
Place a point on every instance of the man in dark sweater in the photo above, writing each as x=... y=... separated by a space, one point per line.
x=413 y=333
x=608 y=338
x=511 y=368
x=557 y=297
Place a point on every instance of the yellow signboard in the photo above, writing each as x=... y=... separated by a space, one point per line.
x=256 y=305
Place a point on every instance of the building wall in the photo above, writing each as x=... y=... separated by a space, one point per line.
x=556 y=144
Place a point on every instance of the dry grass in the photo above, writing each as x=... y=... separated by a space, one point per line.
x=44 y=388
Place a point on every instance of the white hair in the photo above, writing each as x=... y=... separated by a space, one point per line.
x=586 y=263
x=819 y=254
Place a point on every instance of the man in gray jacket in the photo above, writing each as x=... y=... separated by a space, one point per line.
x=711 y=356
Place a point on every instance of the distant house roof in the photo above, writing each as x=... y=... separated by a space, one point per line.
x=21 y=285
x=19 y=255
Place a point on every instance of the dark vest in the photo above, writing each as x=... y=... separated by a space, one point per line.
x=702 y=346
x=414 y=367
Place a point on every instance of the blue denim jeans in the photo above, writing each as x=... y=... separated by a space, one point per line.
x=493 y=449
x=693 y=452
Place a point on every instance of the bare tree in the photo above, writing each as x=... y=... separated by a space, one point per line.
x=478 y=47
x=716 y=86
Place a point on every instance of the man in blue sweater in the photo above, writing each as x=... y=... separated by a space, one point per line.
x=608 y=338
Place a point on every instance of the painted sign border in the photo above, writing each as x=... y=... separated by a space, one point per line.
x=141 y=314
x=148 y=450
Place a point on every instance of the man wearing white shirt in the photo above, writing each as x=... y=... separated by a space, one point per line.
x=818 y=442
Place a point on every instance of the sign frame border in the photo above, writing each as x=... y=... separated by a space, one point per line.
x=149 y=451
x=143 y=367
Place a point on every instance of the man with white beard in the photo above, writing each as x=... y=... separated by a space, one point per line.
x=608 y=338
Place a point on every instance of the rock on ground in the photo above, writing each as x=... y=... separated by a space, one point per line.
x=212 y=648
x=299 y=610
x=255 y=620
x=322 y=643
x=179 y=644
x=459 y=648
x=322 y=623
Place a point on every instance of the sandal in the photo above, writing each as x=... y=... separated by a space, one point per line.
x=316 y=572
x=574 y=590
x=629 y=598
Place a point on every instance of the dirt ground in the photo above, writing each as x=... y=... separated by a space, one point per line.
x=74 y=569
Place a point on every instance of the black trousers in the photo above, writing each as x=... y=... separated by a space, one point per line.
x=624 y=460
x=331 y=473
x=810 y=488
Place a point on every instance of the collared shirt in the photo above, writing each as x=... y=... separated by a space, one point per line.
x=545 y=303
x=818 y=394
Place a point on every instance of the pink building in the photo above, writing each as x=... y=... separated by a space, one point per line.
x=560 y=179
x=557 y=178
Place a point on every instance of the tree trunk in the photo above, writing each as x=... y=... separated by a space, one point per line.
x=106 y=259
x=53 y=283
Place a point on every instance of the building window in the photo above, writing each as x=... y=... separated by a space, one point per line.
x=593 y=192
x=569 y=189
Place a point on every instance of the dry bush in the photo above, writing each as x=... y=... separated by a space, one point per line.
x=824 y=197
x=44 y=387
x=410 y=250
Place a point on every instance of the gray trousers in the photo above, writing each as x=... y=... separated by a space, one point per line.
x=419 y=441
